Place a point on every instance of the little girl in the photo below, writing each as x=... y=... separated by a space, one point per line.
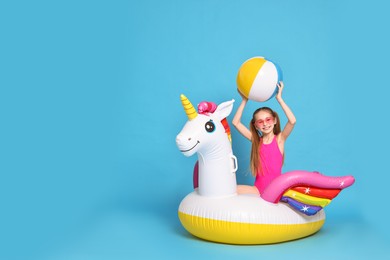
x=267 y=139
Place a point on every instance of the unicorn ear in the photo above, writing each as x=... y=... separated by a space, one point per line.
x=224 y=109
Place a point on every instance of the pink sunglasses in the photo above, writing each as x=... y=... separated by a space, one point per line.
x=267 y=120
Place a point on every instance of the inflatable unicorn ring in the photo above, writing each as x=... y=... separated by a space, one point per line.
x=290 y=208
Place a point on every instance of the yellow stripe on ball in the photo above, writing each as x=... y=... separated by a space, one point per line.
x=247 y=74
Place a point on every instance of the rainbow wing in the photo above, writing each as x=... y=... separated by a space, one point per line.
x=301 y=207
x=306 y=192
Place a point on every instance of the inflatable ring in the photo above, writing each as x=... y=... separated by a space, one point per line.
x=245 y=219
x=291 y=207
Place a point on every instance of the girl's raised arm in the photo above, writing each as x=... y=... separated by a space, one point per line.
x=237 y=119
x=289 y=114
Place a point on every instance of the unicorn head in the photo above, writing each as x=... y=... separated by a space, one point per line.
x=206 y=135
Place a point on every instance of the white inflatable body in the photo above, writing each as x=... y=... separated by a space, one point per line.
x=245 y=219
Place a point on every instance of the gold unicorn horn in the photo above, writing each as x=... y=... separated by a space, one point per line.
x=188 y=107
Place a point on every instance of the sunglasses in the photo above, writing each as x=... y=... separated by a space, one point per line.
x=267 y=120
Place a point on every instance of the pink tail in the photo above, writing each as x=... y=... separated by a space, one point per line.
x=275 y=190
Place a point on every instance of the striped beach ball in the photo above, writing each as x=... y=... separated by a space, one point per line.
x=257 y=79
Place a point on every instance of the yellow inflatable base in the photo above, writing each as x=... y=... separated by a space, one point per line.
x=246 y=233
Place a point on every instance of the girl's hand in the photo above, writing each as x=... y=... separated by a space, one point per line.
x=280 y=90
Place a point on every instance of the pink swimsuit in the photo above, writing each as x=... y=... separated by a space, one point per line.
x=271 y=164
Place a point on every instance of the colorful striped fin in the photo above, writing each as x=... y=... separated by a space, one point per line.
x=301 y=207
x=318 y=192
x=306 y=199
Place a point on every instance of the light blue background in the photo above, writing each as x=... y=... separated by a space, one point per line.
x=89 y=109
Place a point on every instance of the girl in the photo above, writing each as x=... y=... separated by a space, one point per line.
x=267 y=142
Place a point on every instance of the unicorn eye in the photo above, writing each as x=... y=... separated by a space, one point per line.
x=209 y=126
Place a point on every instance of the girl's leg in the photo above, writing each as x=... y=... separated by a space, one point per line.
x=247 y=189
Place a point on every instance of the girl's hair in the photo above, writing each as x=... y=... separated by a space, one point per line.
x=257 y=140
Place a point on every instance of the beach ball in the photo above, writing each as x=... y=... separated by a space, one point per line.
x=257 y=79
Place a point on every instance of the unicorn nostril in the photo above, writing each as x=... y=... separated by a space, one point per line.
x=178 y=140
x=189 y=138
